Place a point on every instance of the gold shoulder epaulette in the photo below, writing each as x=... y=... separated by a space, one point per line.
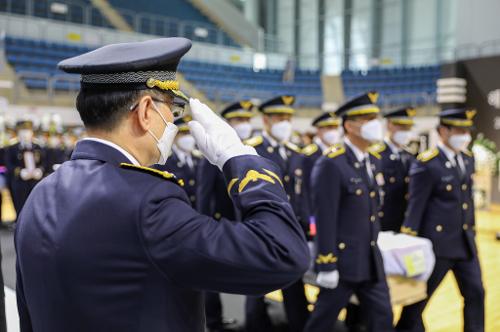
x=468 y=153
x=293 y=147
x=375 y=154
x=377 y=147
x=161 y=174
x=310 y=149
x=428 y=155
x=334 y=151
x=254 y=141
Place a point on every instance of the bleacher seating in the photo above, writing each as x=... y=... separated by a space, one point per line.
x=399 y=85
x=157 y=17
x=35 y=62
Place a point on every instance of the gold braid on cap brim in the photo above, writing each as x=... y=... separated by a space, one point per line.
x=457 y=123
x=363 y=111
x=238 y=114
x=278 y=110
x=329 y=122
x=401 y=121
x=171 y=85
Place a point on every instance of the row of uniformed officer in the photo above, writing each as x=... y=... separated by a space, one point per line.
x=441 y=208
x=345 y=186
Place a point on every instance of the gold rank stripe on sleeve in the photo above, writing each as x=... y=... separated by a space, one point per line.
x=254 y=141
x=254 y=176
x=326 y=259
x=408 y=230
x=334 y=151
x=428 y=155
x=161 y=174
x=310 y=149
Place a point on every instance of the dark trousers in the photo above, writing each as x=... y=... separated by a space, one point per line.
x=374 y=299
x=468 y=276
x=295 y=302
x=213 y=310
x=3 y=320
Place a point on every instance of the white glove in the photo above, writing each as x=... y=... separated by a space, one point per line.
x=328 y=279
x=37 y=173
x=215 y=138
x=24 y=174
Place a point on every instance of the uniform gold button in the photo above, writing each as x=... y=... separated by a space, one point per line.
x=439 y=228
x=192 y=198
x=270 y=149
x=341 y=245
x=372 y=218
x=407 y=179
x=372 y=243
x=464 y=187
x=381 y=214
x=392 y=179
x=448 y=187
x=372 y=194
x=286 y=178
x=465 y=206
x=407 y=196
x=382 y=193
x=192 y=182
x=298 y=172
x=359 y=192
x=217 y=215
x=465 y=227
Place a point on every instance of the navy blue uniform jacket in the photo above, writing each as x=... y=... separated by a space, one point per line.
x=104 y=247
x=441 y=207
x=346 y=206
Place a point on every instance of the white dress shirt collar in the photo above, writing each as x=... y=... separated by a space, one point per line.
x=360 y=155
x=114 y=146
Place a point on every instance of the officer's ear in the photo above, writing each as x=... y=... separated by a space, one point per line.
x=144 y=109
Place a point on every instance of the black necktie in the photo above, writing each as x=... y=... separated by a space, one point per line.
x=459 y=168
x=366 y=174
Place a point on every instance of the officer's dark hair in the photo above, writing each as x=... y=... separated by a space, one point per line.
x=441 y=125
x=104 y=110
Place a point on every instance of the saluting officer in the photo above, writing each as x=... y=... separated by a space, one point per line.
x=396 y=162
x=274 y=145
x=184 y=160
x=24 y=161
x=327 y=134
x=345 y=189
x=213 y=200
x=108 y=244
x=441 y=208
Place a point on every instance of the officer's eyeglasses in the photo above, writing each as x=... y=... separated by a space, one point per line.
x=176 y=108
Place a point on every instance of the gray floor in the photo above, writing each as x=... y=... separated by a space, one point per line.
x=8 y=258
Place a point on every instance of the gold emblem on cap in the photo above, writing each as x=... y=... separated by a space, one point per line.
x=246 y=104
x=411 y=112
x=373 y=97
x=288 y=100
x=470 y=114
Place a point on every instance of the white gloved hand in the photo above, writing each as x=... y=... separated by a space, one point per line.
x=37 y=173
x=215 y=138
x=24 y=174
x=328 y=279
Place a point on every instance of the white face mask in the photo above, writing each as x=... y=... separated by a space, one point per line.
x=282 y=130
x=372 y=131
x=186 y=143
x=164 y=143
x=25 y=135
x=331 y=136
x=402 y=137
x=460 y=142
x=243 y=129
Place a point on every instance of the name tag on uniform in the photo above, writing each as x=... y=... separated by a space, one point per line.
x=447 y=178
x=355 y=180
